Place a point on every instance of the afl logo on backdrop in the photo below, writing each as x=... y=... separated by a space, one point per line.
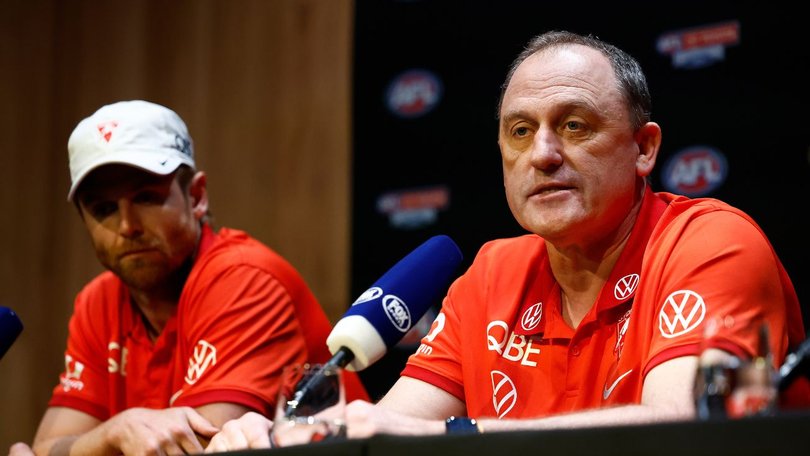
x=695 y=171
x=413 y=93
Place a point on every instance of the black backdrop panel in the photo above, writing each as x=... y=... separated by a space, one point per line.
x=427 y=77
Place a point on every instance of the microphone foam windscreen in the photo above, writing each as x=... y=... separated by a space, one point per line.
x=10 y=327
x=384 y=313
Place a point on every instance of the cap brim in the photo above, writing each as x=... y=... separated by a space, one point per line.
x=152 y=162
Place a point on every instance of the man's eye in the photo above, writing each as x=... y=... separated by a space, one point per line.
x=521 y=131
x=148 y=198
x=573 y=125
x=101 y=210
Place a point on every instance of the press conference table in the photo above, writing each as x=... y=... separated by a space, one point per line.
x=784 y=434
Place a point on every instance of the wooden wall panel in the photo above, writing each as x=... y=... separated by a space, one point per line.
x=264 y=87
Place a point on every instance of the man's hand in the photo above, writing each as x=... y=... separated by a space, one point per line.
x=251 y=430
x=20 y=449
x=146 y=431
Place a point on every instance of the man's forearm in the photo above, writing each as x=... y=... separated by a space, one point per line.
x=621 y=415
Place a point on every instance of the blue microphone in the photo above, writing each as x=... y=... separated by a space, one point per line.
x=384 y=313
x=10 y=327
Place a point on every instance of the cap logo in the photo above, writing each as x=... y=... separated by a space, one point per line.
x=106 y=129
x=182 y=144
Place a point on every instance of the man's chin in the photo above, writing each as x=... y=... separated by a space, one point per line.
x=142 y=277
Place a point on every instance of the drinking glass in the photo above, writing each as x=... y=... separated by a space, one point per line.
x=311 y=405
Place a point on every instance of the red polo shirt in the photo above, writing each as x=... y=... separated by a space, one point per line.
x=695 y=273
x=244 y=314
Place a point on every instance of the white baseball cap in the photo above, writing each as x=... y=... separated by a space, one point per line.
x=137 y=133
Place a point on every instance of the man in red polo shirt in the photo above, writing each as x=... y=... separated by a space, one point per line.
x=189 y=326
x=602 y=314
x=599 y=316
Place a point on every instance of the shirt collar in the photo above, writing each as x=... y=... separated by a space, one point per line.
x=620 y=288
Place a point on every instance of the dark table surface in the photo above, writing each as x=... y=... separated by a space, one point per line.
x=783 y=434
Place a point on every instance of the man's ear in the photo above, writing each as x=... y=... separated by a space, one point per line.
x=648 y=138
x=199 y=195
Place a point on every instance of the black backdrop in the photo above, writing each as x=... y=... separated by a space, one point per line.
x=751 y=105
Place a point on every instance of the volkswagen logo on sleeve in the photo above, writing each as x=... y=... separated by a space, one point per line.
x=682 y=312
x=204 y=356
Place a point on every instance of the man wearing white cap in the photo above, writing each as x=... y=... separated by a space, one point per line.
x=190 y=326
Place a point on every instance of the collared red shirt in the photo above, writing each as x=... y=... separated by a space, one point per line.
x=244 y=313
x=694 y=274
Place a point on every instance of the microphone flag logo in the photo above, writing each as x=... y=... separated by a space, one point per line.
x=369 y=295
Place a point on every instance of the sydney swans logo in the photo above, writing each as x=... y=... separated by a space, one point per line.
x=504 y=393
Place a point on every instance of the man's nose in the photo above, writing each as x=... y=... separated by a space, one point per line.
x=546 y=153
x=129 y=224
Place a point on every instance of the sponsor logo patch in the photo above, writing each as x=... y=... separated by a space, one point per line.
x=204 y=356
x=682 y=312
x=436 y=328
x=532 y=316
x=513 y=347
x=625 y=287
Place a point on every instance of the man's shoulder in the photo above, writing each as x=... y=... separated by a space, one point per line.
x=102 y=296
x=105 y=283
x=233 y=248
x=683 y=210
x=679 y=204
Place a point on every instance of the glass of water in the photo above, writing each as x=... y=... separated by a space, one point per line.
x=311 y=405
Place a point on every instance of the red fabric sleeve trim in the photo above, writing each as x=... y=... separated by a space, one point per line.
x=693 y=350
x=236 y=397
x=434 y=379
x=95 y=410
